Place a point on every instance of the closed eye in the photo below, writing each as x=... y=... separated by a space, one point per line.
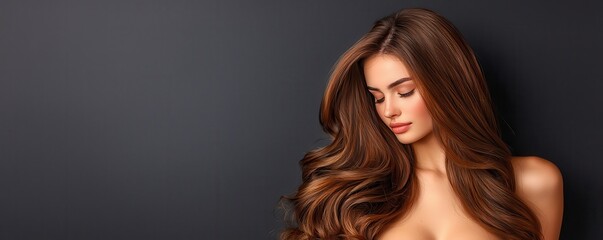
x=408 y=94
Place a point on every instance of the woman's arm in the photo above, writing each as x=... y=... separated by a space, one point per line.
x=540 y=185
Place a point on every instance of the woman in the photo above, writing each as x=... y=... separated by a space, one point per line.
x=416 y=152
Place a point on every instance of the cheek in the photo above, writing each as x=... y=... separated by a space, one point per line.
x=381 y=112
x=420 y=111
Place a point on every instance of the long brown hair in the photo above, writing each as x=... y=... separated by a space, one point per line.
x=364 y=179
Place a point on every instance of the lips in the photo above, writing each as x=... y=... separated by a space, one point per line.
x=399 y=128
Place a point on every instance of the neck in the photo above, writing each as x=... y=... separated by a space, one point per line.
x=429 y=154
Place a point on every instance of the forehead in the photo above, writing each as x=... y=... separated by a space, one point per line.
x=383 y=69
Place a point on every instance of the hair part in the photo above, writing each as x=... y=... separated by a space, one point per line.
x=364 y=179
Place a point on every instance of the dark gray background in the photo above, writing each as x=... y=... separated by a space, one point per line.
x=180 y=119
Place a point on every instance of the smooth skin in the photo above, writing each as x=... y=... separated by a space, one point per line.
x=438 y=214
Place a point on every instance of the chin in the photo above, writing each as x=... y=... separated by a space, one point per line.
x=410 y=139
x=406 y=140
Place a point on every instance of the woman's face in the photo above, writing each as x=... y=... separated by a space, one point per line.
x=397 y=99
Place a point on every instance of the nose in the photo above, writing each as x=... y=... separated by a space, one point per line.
x=391 y=109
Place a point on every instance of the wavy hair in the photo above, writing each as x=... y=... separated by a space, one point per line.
x=364 y=179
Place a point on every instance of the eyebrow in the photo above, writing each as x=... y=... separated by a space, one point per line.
x=391 y=85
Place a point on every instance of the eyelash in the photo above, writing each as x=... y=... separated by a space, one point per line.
x=408 y=94
x=402 y=95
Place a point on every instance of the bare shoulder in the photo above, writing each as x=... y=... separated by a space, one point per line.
x=540 y=185
x=536 y=176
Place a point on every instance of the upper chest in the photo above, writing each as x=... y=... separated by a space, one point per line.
x=436 y=214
